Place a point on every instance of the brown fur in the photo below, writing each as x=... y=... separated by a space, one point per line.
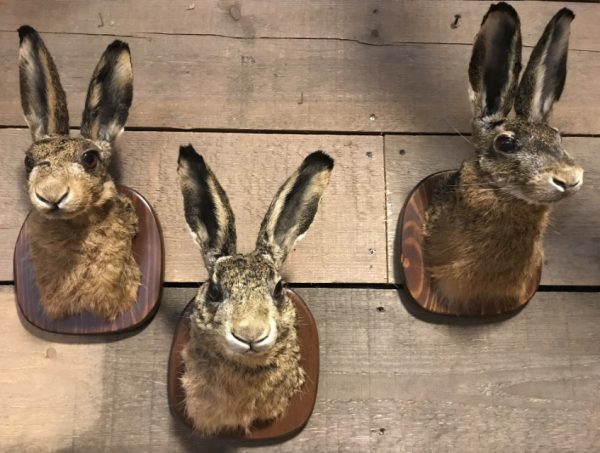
x=228 y=391
x=81 y=229
x=81 y=254
x=483 y=231
x=479 y=261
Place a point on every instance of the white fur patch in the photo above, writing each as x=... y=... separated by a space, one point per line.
x=536 y=111
x=556 y=186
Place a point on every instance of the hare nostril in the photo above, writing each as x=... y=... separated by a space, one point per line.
x=251 y=339
x=560 y=184
x=242 y=339
x=42 y=199
x=63 y=196
x=263 y=338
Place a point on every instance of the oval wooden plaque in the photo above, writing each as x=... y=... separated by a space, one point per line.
x=148 y=253
x=301 y=404
x=416 y=280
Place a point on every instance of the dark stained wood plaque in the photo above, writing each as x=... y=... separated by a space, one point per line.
x=416 y=280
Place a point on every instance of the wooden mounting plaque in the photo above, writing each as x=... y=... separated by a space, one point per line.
x=416 y=280
x=148 y=253
x=301 y=404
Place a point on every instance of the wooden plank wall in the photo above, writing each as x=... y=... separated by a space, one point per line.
x=256 y=85
x=389 y=381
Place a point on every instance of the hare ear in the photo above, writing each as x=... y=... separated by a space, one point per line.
x=42 y=97
x=495 y=63
x=207 y=209
x=109 y=95
x=294 y=207
x=544 y=78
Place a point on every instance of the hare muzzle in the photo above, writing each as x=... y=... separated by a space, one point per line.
x=251 y=337
x=567 y=180
x=51 y=195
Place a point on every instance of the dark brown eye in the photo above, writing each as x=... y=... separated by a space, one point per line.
x=29 y=164
x=89 y=159
x=505 y=143
x=278 y=291
x=214 y=293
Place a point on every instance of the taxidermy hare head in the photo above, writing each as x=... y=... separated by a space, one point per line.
x=81 y=227
x=242 y=361
x=484 y=230
x=522 y=156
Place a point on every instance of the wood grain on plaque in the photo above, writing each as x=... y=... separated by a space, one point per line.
x=572 y=256
x=148 y=252
x=345 y=243
x=215 y=82
x=409 y=257
x=301 y=404
x=388 y=381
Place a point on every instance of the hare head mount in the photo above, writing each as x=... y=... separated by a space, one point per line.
x=244 y=307
x=521 y=155
x=67 y=176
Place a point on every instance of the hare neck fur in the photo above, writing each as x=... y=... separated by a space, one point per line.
x=223 y=394
x=482 y=244
x=86 y=263
x=496 y=209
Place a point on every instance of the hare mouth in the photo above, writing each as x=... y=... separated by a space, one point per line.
x=532 y=195
x=563 y=188
x=248 y=351
x=543 y=193
x=57 y=212
x=63 y=207
x=250 y=358
x=552 y=189
x=254 y=353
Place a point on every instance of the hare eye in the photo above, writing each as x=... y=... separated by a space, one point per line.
x=278 y=291
x=89 y=159
x=29 y=164
x=214 y=293
x=505 y=143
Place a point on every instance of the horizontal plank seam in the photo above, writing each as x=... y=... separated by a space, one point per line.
x=391 y=286
x=297 y=131
x=143 y=35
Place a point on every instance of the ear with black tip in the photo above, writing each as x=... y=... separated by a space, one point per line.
x=207 y=209
x=109 y=95
x=42 y=96
x=495 y=63
x=294 y=207
x=544 y=79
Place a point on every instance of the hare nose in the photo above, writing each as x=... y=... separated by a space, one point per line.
x=52 y=199
x=251 y=334
x=568 y=180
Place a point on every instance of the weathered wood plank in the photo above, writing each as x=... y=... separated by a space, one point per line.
x=373 y=22
x=346 y=242
x=389 y=382
x=299 y=84
x=571 y=243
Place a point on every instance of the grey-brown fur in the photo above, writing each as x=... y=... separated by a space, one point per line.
x=242 y=360
x=81 y=228
x=483 y=233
